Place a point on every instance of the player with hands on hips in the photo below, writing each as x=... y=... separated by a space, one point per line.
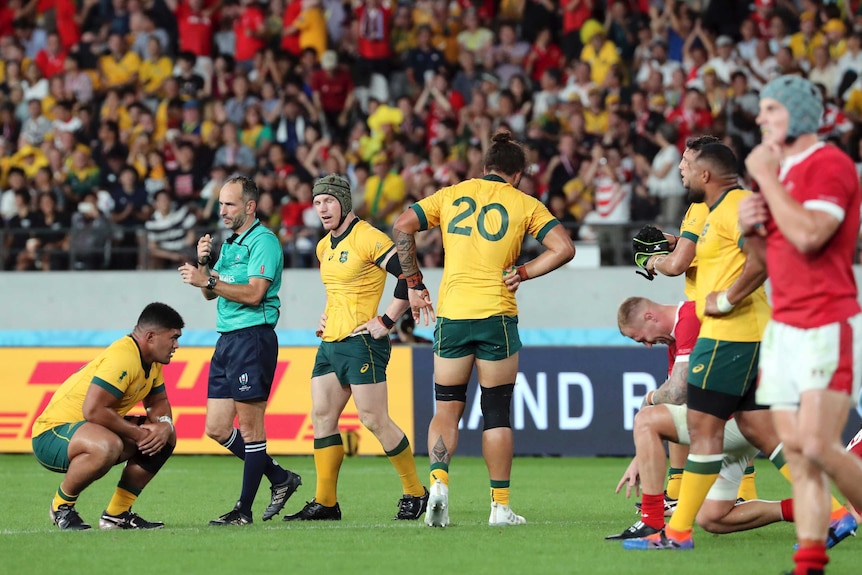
x=483 y=222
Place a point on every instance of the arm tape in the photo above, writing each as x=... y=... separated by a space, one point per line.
x=393 y=266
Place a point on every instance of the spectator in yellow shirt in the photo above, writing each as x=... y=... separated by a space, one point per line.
x=311 y=24
x=384 y=193
x=596 y=120
x=599 y=52
x=120 y=67
x=802 y=43
x=834 y=31
x=155 y=69
x=853 y=105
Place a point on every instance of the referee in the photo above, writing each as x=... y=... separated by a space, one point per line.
x=245 y=280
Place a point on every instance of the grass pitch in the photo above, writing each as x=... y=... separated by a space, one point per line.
x=569 y=504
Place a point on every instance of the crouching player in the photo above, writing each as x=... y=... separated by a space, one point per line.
x=85 y=430
x=677 y=326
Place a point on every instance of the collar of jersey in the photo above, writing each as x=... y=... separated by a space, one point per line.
x=493 y=178
x=235 y=237
x=721 y=198
x=336 y=240
x=144 y=364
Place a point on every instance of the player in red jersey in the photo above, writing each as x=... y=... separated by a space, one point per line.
x=663 y=417
x=808 y=213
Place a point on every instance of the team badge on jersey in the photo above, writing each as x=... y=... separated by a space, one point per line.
x=343 y=257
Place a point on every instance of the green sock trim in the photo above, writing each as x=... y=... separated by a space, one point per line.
x=703 y=467
x=674 y=471
x=440 y=465
x=65 y=497
x=749 y=470
x=133 y=490
x=330 y=441
x=499 y=484
x=402 y=445
x=778 y=460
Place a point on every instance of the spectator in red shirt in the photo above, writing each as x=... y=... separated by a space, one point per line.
x=194 y=25
x=332 y=93
x=50 y=59
x=762 y=16
x=374 y=21
x=13 y=10
x=544 y=54
x=575 y=13
x=442 y=104
x=290 y=35
x=691 y=117
x=249 y=30
x=68 y=22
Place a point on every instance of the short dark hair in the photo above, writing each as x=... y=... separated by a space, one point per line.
x=505 y=155
x=113 y=126
x=719 y=158
x=160 y=315
x=249 y=188
x=130 y=168
x=696 y=143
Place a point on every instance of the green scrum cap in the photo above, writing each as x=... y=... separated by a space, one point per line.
x=337 y=187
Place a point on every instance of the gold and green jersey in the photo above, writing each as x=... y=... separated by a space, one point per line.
x=350 y=270
x=119 y=370
x=483 y=222
x=692 y=225
x=720 y=262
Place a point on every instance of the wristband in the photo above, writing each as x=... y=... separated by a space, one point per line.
x=386 y=321
x=204 y=261
x=167 y=419
x=414 y=280
x=722 y=303
x=522 y=273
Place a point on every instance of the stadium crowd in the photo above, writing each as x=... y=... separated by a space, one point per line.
x=120 y=119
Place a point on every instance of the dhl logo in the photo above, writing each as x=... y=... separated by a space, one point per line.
x=37 y=373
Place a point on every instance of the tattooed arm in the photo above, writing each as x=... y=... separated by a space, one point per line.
x=405 y=243
x=403 y=234
x=674 y=390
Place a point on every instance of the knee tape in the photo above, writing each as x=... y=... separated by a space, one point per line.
x=450 y=392
x=496 y=405
x=152 y=463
